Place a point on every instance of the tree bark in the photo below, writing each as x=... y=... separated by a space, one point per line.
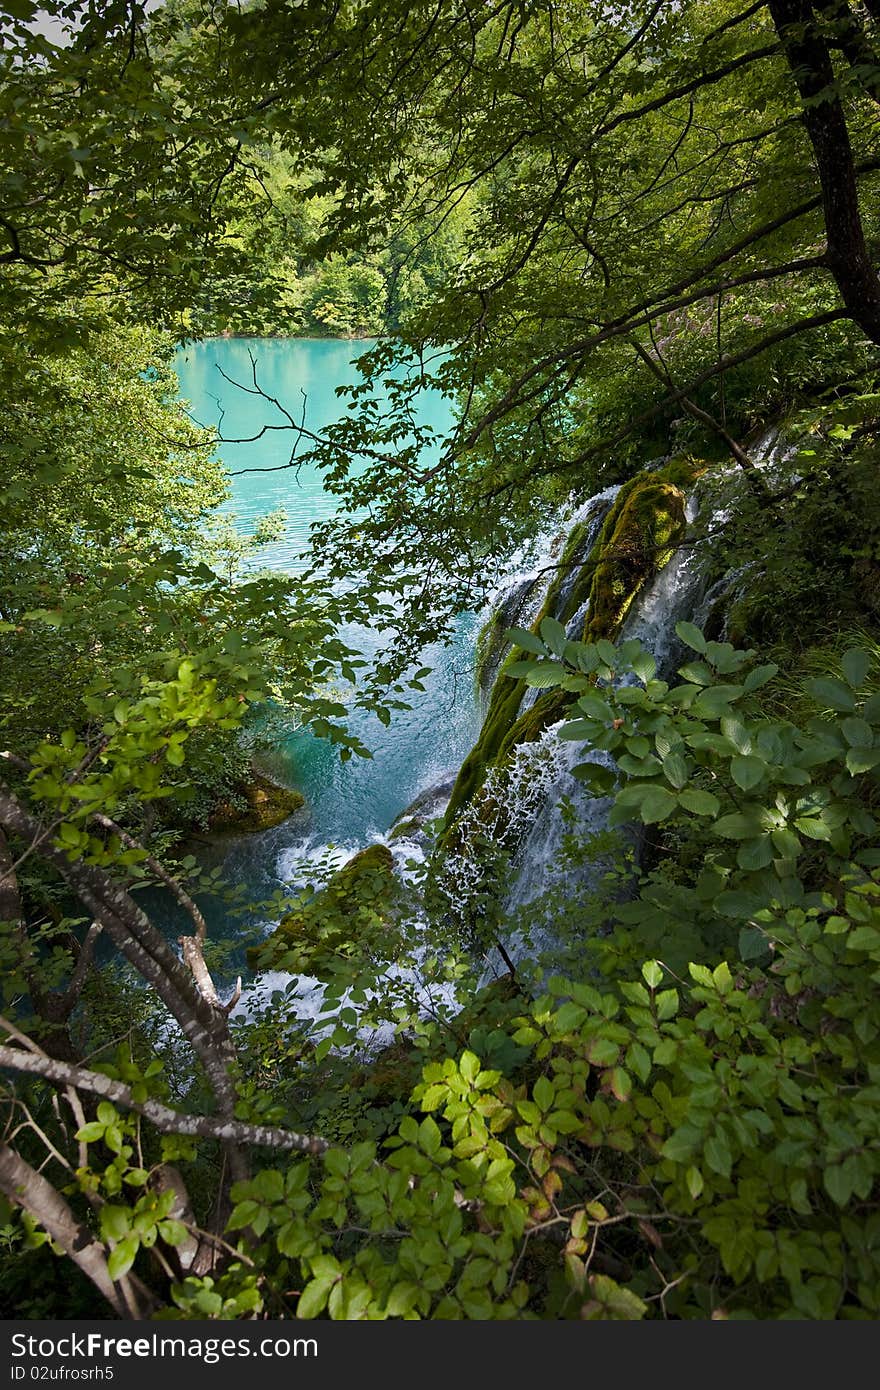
x=824 y=119
x=225 y=1129
x=205 y=1024
x=26 y=1188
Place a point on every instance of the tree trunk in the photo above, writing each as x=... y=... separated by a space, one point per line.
x=825 y=121
x=26 y=1188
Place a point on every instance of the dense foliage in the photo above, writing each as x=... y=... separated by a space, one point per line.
x=613 y=234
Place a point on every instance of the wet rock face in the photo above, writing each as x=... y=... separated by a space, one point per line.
x=415 y=822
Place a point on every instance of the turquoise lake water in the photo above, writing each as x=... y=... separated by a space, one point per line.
x=349 y=804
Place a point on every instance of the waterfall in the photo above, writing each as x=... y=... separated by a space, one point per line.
x=531 y=809
x=552 y=805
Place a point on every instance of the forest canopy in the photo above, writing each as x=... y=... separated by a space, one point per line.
x=635 y=246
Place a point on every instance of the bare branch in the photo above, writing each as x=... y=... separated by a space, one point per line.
x=165 y=1119
x=160 y=871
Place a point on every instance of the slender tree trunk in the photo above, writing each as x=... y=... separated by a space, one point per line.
x=824 y=119
x=26 y=1188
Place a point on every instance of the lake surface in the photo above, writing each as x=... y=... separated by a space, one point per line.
x=349 y=804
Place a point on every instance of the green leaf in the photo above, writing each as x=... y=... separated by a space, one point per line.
x=578 y=731
x=553 y=633
x=697 y=672
x=114 y=1138
x=702 y=803
x=545 y=675
x=755 y=854
x=716 y=1151
x=644 y=666
x=738 y=827
x=691 y=636
x=814 y=827
x=115 y=1222
x=621 y=1083
x=469 y=1066
x=137 y=1177
x=758 y=677
x=753 y=944
x=737 y=733
x=680 y=1144
x=313 y=1298
x=786 y=844
x=545 y=1094
x=667 y=1004
x=638 y=1059
x=601 y=1052
x=858 y=732
x=172 y=1232
x=652 y=973
x=594 y=707
x=859 y=760
x=519 y=637
x=518 y=670
x=122 y=1258
x=855 y=664
x=429 y=1136
x=243 y=1214
x=656 y=804
x=612 y=1301
x=675 y=770
x=90 y=1133
x=600 y=779
x=831 y=694
x=838 y=1183
x=747 y=772
x=715 y=702
x=694 y=1179
x=863 y=939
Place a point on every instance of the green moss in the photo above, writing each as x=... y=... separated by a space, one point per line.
x=404 y=828
x=356 y=907
x=258 y=805
x=643 y=527
x=638 y=539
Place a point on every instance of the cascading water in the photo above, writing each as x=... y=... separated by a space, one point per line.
x=538 y=813
x=353 y=805
x=534 y=770
x=517 y=601
x=531 y=803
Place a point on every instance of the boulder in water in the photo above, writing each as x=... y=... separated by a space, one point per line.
x=256 y=805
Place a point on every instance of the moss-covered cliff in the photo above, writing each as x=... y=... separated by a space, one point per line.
x=640 y=532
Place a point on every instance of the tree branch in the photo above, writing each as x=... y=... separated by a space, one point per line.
x=165 y=1119
x=26 y=1188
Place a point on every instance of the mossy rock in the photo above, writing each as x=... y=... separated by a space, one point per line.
x=428 y=806
x=641 y=531
x=356 y=909
x=639 y=538
x=490 y=642
x=258 y=804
